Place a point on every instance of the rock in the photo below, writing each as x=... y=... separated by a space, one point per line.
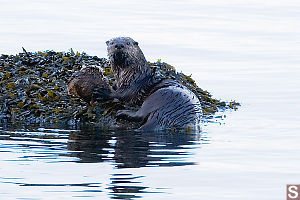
x=34 y=89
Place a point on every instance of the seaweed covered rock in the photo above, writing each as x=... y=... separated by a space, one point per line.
x=33 y=89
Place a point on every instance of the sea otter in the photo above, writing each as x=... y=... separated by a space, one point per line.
x=165 y=103
x=83 y=82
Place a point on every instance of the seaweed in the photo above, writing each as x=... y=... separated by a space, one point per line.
x=33 y=90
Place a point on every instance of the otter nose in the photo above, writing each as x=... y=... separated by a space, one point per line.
x=119 y=46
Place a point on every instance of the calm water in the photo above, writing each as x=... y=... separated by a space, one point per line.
x=248 y=51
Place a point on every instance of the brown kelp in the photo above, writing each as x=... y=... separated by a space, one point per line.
x=33 y=90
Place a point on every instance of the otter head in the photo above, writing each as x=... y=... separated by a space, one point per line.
x=124 y=52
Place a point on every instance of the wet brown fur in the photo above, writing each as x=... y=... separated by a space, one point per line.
x=83 y=82
x=131 y=68
x=164 y=103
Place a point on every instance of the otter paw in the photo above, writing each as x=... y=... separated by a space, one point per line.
x=129 y=115
x=101 y=94
x=124 y=114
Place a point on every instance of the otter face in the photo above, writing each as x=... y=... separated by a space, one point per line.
x=121 y=51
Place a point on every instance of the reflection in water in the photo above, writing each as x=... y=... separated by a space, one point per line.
x=125 y=186
x=130 y=149
x=121 y=149
x=89 y=146
x=152 y=149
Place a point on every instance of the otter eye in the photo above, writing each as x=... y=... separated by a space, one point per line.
x=136 y=43
x=128 y=43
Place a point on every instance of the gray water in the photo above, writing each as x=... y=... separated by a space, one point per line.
x=248 y=51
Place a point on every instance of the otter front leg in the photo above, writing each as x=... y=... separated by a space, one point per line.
x=102 y=94
x=129 y=115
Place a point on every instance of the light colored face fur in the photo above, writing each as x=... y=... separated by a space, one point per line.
x=124 y=52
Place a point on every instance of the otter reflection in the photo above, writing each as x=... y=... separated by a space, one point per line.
x=130 y=149
x=89 y=145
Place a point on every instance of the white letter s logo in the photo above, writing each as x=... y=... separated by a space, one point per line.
x=293 y=189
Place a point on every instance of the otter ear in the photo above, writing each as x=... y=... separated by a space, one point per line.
x=107 y=42
x=135 y=43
